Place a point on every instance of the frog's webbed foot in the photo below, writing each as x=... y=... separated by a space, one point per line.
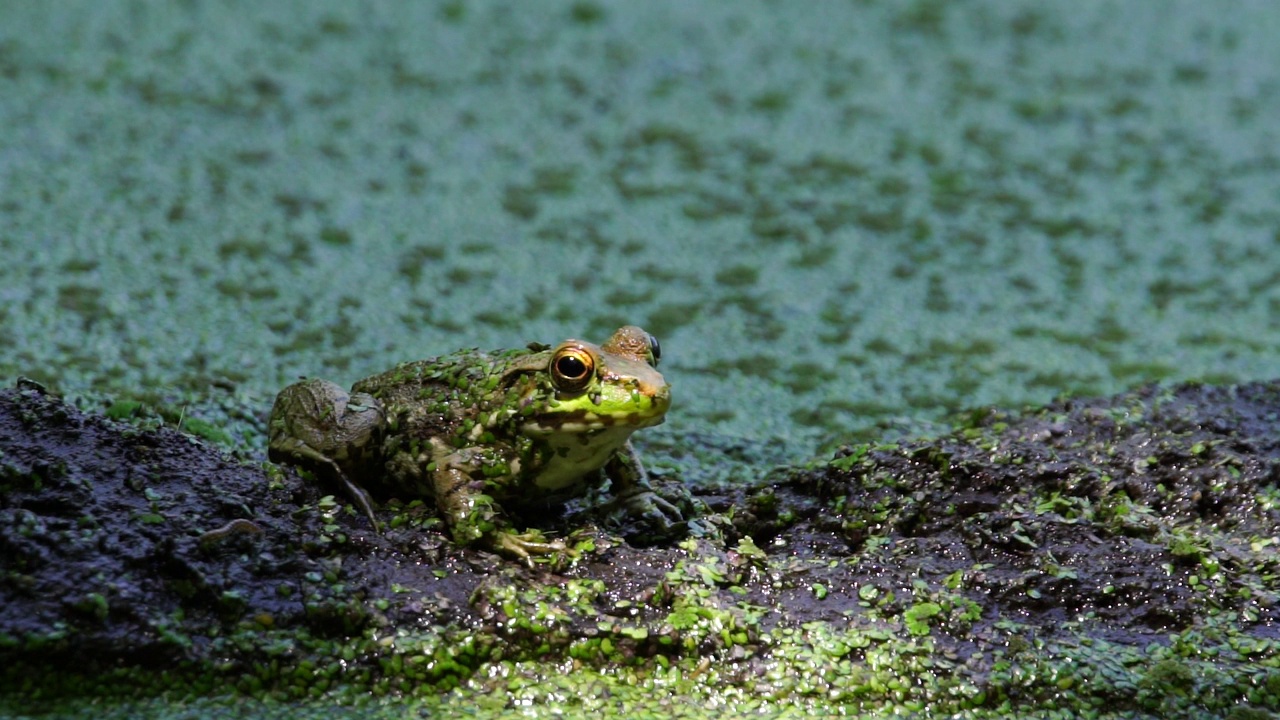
x=522 y=546
x=634 y=496
x=646 y=505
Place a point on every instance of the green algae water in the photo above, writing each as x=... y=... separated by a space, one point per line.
x=839 y=218
x=849 y=214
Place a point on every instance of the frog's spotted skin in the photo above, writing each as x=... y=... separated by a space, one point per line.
x=480 y=430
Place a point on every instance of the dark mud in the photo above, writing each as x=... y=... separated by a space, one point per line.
x=1090 y=541
x=1136 y=514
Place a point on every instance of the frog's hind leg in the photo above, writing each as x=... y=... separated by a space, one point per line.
x=317 y=425
x=360 y=497
x=300 y=450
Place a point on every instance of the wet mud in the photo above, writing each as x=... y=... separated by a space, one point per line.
x=1120 y=521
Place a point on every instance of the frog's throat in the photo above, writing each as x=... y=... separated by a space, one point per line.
x=581 y=421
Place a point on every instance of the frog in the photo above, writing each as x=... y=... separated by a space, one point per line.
x=482 y=432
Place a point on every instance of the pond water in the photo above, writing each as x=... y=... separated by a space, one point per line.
x=848 y=215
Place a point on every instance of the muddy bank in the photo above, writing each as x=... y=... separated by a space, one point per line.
x=1114 y=554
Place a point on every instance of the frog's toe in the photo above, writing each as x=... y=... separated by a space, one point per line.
x=653 y=509
x=361 y=498
x=522 y=546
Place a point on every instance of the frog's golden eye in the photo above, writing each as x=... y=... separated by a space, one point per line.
x=655 y=350
x=572 y=369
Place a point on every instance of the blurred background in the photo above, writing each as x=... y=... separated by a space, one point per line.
x=840 y=219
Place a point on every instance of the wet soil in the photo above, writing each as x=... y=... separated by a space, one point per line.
x=1120 y=520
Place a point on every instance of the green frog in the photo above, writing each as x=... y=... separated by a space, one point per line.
x=478 y=431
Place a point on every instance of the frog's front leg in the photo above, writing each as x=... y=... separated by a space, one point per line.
x=631 y=489
x=471 y=514
x=318 y=426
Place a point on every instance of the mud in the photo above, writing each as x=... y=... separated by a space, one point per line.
x=1119 y=520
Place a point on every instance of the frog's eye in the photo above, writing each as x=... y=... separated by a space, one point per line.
x=572 y=369
x=655 y=350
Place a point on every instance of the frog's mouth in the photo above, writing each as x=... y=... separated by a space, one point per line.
x=583 y=421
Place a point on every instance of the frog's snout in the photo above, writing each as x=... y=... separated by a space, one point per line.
x=661 y=397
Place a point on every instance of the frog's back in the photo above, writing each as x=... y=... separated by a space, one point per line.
x=436 y=395
x=448 y=379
